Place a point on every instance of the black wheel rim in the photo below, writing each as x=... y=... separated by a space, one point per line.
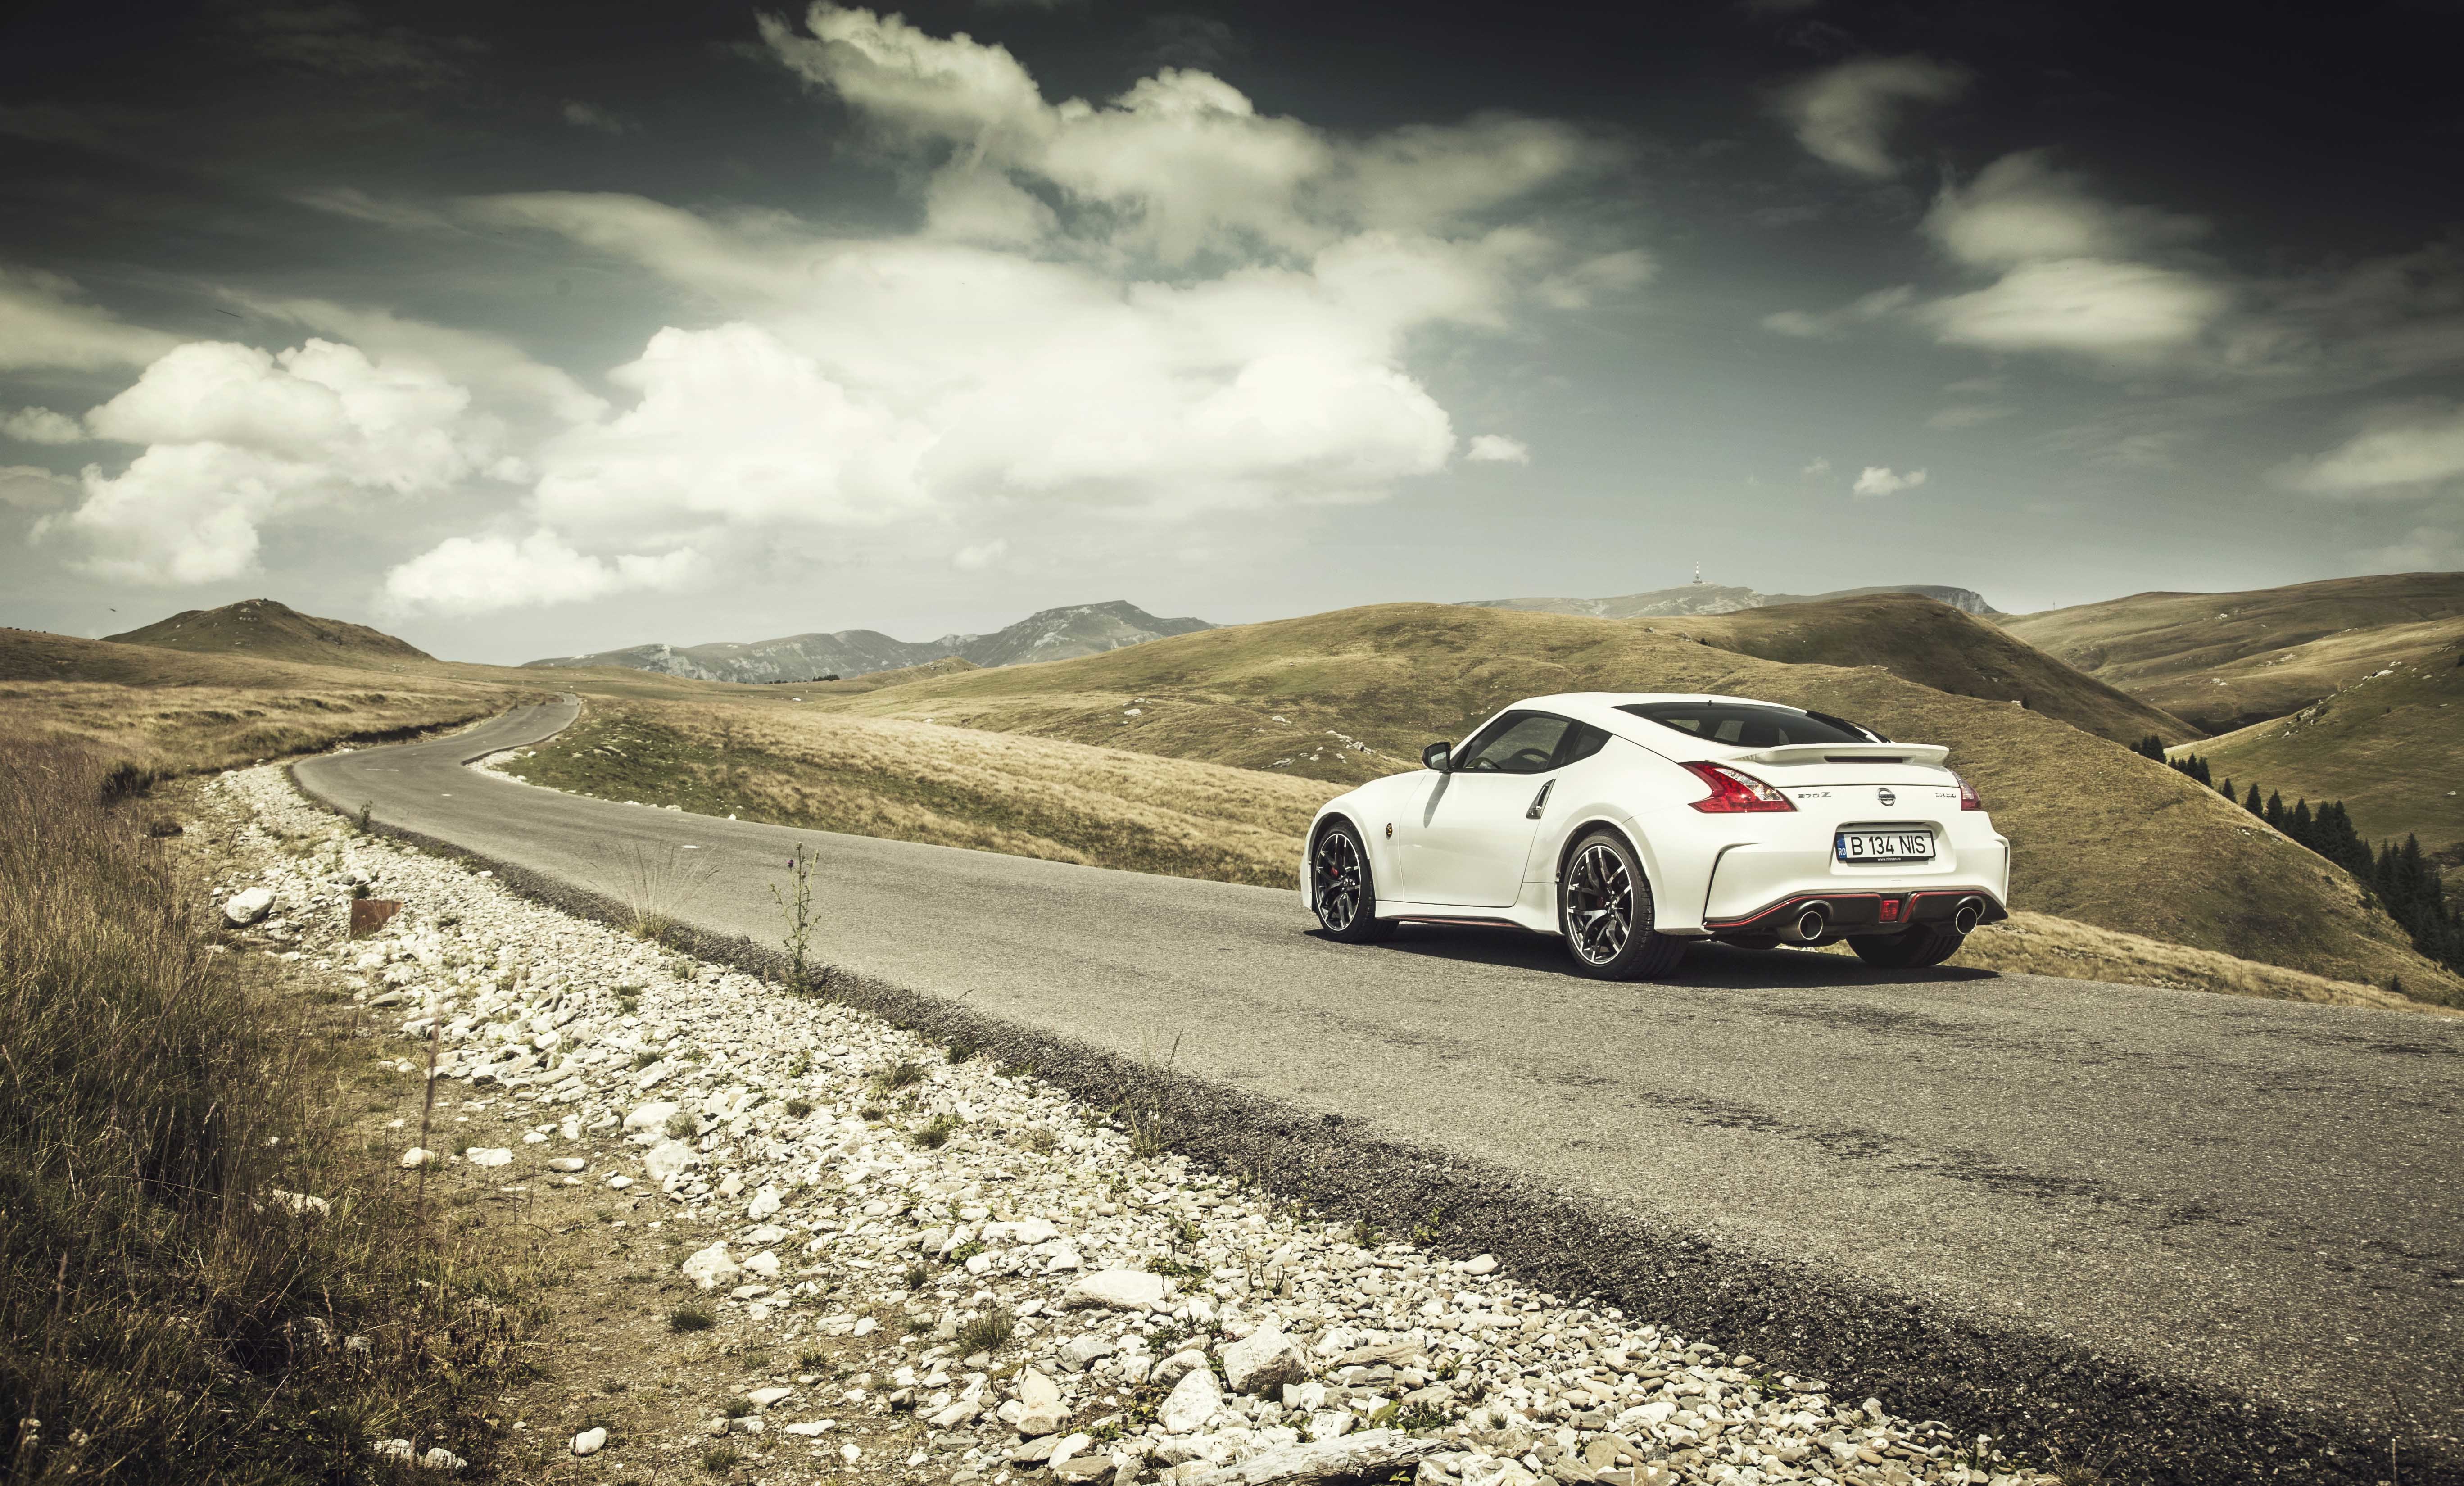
x=1339 y=878
x=1600 y=905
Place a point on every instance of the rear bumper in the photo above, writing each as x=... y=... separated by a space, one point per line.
x=1863 y=912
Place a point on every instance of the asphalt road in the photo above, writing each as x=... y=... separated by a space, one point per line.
x=2253 y=1198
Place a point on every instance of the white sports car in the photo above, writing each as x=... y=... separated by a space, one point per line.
x=1631 y=822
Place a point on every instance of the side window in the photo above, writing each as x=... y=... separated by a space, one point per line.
x=1582 y=740
x=1517 y=743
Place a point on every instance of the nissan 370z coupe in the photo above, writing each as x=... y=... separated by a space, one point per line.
x=1631 y=822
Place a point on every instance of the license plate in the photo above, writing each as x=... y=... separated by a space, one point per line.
x=1884 y=846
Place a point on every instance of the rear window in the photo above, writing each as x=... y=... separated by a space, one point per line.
x=1745 y=724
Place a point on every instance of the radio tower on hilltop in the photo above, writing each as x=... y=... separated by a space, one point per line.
x=1698 y=574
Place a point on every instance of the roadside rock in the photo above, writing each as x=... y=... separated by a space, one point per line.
x=1265 y=1359
x=248 y=907
x=1118 y=1289
x=1194 y=1401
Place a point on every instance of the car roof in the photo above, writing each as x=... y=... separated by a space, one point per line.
x=1600 y=709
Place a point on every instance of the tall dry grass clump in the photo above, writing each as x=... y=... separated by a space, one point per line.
x=171 y=1307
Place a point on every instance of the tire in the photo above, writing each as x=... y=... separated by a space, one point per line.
x=1910 y=948
x=1343 y=888
x=1602 y=897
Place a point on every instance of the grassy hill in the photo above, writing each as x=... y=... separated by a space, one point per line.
x=2389 y=746
x=2103 y=836
x=1934 y=645
x=179 y=711
x=275 y=631
x=2224 y=660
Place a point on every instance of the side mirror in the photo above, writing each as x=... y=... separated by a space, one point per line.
x=1438 y=756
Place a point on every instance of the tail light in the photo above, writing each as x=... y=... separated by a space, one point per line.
x=1733 y=792
x=1968 y=799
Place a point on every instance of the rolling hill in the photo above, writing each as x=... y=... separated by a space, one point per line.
x=1048 y=635
x=2104 y=836
x=1936 y=646
x=2225 y=660
x=2390 y=746
x=273 y=631
x=1701 y=598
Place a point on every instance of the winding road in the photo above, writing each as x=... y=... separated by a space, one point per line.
x=2248 y=1200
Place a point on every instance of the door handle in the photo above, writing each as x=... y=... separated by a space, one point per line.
x=1538 y=800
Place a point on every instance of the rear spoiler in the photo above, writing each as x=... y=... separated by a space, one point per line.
x=1923 y=754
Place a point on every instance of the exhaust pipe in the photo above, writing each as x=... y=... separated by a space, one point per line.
x=1812 y=924
x=1964 y=917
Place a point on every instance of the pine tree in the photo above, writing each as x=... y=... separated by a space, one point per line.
x=2226 y=788
x=2276 y=808
x=2250 y=802
x=2299 y=827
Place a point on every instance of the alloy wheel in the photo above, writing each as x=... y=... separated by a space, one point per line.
x=1338 y=880
x=1600 y=905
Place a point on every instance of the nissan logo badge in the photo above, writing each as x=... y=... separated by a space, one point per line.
x=1885 y=796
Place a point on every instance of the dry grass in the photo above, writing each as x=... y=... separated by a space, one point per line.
x=2038 y=944
x=166 y=1315
x=2390 y=747
x=1936 y=646
x=174 y=712
x=915 y=781
x=2276 y=649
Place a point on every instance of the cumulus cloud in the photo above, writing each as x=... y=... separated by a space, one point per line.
x=483 y=574
x=44 y=323
x=1496 y=448
x=235 y=435
x=1157 y=307
x=31 y=488
x=1180 y=163
x=2401 y=452
x=1843 y=116
x=41 y=425
x=1878 y=481
x=1815 y=467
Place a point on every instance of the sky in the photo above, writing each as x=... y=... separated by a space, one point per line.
x=541 y=329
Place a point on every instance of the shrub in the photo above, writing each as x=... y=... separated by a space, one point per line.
x=693 y=1316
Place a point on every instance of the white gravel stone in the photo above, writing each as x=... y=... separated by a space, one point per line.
x=416 y=1157
x=1193 y=1403
x=590 y=1441
x=1263 y=1360
x=710 y=1267
x=248 y=907
x=1118 y=1289
x=488 y=1155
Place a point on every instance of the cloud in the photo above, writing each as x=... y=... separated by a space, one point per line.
x=2401 y=453
x=483 y=363
x=483 y=574
x=1969 y=417
x=2122 y=311
x=590 y=116
x=1831 y=324
x=1815 y=467
x=1876 y=481
x=1496 y=448
x=31 y=488
x=1843 y=116
x=346 y=201
x=979 y=556
x=235 y=436
x=43 y=324
x=41 y=425
x=2020 y=210
x=338 y=39
x=1181 y=164
x=732 y=426
x=2073 y=271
